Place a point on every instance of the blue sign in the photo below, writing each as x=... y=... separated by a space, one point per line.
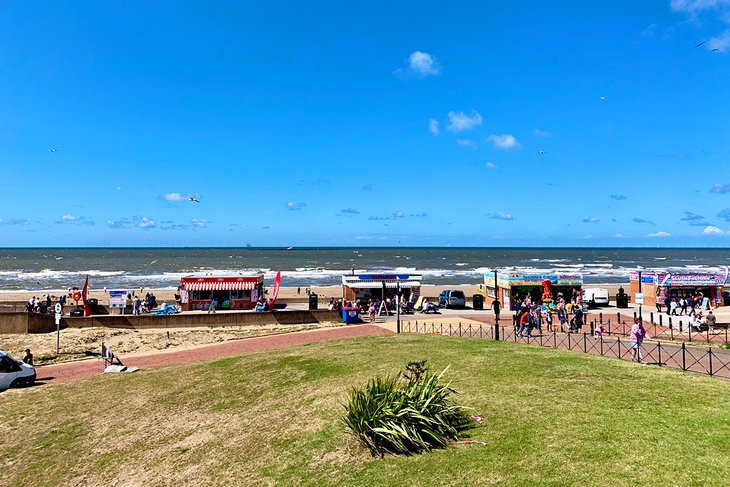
x=384 y=277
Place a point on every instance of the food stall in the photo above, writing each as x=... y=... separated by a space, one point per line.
x=658 y=286
x=230 y=291
x=541 y=288
x=379 y=286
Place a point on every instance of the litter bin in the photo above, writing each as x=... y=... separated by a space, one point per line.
x=313 y=299
x=350 y=315
x=622 y=300
x=477 y=301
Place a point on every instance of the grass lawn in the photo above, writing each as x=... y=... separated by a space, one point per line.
x=273 y=418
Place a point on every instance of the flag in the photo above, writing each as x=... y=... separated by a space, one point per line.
x=277 y=283
x=84 y=294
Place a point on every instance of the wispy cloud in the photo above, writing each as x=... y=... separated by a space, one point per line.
x=13 y=221
x=504 y=141
x=399 y=214
x=466 y=143
x=420 y=64
x=179 y=196
x=367 y=187
x=420 y=215
x=694 y=7
x=75 y=220
x=719 y=43
x=295 y=206
x=641 y=220
x=591 y=219
x=724 y=214
x=721 y=188
x=618 y=197
x=460 y=121
x=491 y=165
x=350 y=211
x=500 y=215
x=694 y=219
x=118 y=224
x=712 y=230
x=676 y=155
x=199 y=222
x=433 y=126
x=541 y=133
x=660 y=234
x=146 y=223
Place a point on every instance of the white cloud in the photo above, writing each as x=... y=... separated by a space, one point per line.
x=466 y=143
x=433 y=126
x=659 y=235
x=399 y=214
x=69 y=218
x=174 y=197
x=712 y=230
x=423 y=64
x=491 y=165
x=295 y=206
x=591 y=219
x=500 y=215
x=460 y=121
x=721 y=188
x=146 y=223
x=541 y=133
x=199 y=222
x=619 y=235
x=693 y=7
x=720 y=43
x=505 y=141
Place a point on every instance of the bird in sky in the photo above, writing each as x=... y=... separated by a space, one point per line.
x=541 y=152
x=715 y=50
x=193 y=199
x=603 y=98
x=52 y=150
x=700 y=44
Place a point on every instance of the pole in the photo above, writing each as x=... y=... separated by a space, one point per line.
x=397 y=308
x=642 y=303
x=496 y=298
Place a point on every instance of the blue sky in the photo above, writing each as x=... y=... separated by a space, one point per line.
x=381 y=123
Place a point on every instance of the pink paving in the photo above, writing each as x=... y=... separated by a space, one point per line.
x=59 y=373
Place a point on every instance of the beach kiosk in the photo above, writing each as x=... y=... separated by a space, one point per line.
x=657 y=286
x=232 y=291
x=542 y=288
x=379 y=286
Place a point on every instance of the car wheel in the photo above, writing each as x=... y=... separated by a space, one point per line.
x=18 y=383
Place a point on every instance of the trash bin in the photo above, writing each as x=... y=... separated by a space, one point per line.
x=622 y=300
x=350 y=315
x=313 y=299
x=76 y=312
x=477 y=301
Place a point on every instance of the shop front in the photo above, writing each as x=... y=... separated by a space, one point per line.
x=228 y=292
x=364 y=287
x=658 y=286
x=512 y=288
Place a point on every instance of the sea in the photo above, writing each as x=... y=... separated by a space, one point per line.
x=161 y=268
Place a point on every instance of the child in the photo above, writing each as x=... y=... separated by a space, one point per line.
x=599 y=331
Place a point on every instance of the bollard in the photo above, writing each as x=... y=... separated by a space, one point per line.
x=593 y=328
x=651 y=315
x=634 y=314
x=660 y=320
x=600 y=317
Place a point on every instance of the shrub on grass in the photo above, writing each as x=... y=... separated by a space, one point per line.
x=408 y=413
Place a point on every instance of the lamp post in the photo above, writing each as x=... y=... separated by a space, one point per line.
x=642 y=299
x=397 y=307
x=496 y=298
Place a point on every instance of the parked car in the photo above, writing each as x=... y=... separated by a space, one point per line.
x=14 y=373
x=452 y=298
x=597 y=295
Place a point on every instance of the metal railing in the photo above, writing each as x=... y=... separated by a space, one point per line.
x=673 y=328
x=710 y=361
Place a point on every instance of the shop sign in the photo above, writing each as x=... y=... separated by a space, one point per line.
x=538 y=279
x=680 y=280
x=645 y=278
x=639 y=298
x=384 y=277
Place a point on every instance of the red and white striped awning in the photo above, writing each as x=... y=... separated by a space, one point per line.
x=219 y=285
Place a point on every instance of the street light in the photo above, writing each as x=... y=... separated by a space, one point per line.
x=397 y=307
x=642 y=299
x=496 y=316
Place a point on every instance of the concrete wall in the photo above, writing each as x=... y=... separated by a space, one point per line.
x=22 y=322
x=193 y=320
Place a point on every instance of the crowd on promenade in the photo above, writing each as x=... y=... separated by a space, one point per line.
x=530 y=315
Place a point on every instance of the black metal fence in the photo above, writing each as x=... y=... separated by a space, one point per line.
x=661 y=327
x=714 y=362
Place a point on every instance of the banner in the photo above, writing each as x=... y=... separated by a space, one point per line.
x=277 y=283
x=84 y=295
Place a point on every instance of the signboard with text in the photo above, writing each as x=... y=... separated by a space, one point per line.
x=117 y=299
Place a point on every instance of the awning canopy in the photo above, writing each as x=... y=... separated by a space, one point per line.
x=379 y=284
x=219 y=285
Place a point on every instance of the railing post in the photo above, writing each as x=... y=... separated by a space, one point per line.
x=651 y=317
x=593 y=327
x=555 y=340
x=600 y=317
x=659 y=345
x=690 y=332
x=671 y=331
x=684 y=358
x=609 y=326
x=601 y=340
x=634 y=315
x=618 y=346
x=660 y=319
x=585 y=343
x=569 y=340
x=709 y=350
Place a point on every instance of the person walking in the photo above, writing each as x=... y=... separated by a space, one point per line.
x=636 y=338
x=136 y=303
x=497 y=307
x=711 y=322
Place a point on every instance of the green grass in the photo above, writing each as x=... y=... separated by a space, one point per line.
x=274 y=418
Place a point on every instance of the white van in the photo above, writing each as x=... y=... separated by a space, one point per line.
x=14 y=373
x=596 y=294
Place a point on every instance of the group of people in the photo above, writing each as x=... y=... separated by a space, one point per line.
x=683 y=305
x=43 y=304
x=140 y=306
x=530 y=315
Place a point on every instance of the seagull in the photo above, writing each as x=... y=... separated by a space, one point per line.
x=715 y=50
x=541 y=152
x=193 y=199
x=701 y=43
x=52 y=150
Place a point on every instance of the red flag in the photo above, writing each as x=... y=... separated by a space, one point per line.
x=277 y=283
x=84 y=294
